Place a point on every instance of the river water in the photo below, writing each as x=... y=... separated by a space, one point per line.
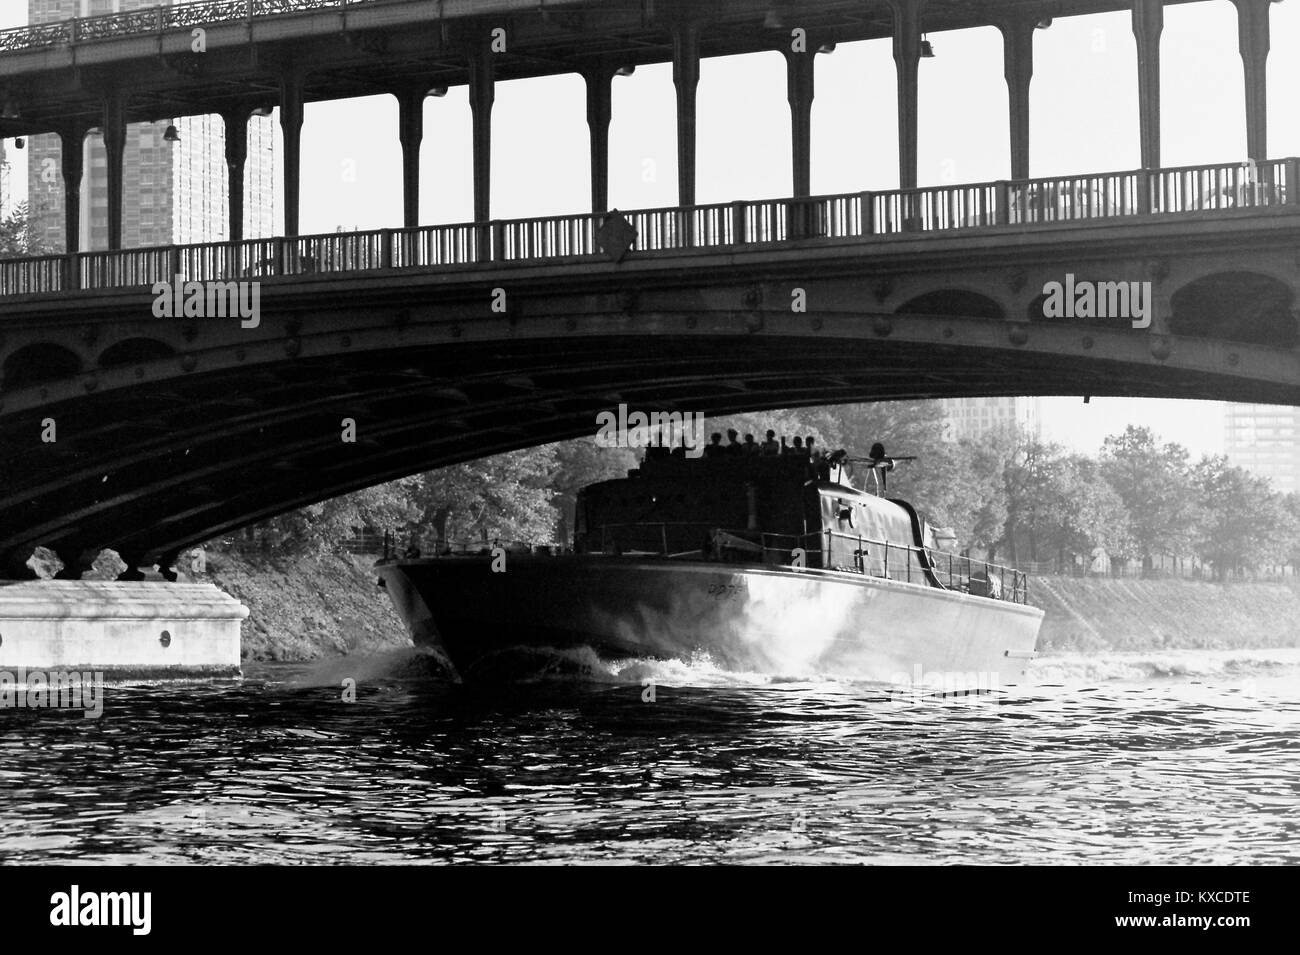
x=1172 y=757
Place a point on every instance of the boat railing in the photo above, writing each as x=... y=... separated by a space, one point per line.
x=460 y=547
x=648 y=537
x=906 y=562
x=868 y=555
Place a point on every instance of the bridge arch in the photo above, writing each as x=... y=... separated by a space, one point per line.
x=1240 y=306
x=954 y=303
x=39 y=362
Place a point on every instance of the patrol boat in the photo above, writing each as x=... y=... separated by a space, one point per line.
x=769 y=564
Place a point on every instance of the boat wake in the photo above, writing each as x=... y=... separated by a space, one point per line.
x=403 y=663
x=1147 y=665
x=527 y=664
x=530 y=664
x=699 y=669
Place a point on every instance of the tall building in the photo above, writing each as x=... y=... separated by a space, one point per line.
x=173 y=192
x=974 y=417
x=1265 y=440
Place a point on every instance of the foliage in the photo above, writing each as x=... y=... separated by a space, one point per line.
x=1155 y=484
x=578 y=463
x=1084 y=512
x=318 y=528
x=17 y=237
x=507 y=496
x=1242 y=521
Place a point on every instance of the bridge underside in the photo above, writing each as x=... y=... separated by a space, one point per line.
x=151 y=468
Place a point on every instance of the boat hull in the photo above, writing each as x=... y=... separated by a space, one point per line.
x=771 y=620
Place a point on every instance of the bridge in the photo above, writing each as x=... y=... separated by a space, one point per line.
x=126 y=425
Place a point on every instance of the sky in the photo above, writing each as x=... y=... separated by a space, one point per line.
x=1083 y=118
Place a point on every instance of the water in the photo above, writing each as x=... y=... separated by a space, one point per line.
x=1174 y=757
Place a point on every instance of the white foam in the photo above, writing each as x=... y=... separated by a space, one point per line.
x=1147 y=665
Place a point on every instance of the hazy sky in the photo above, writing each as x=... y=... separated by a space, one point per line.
x=1083 y=119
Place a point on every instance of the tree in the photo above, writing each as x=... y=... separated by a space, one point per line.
x=1083 y=512
x=578 y=463
x=903 y=427
x=1243 y=521
x=17 y=237
x=507 y=496
x=987 y=494
x=1027 y=474
x=1291 y=530
x=1155 y=484
x=318 y=528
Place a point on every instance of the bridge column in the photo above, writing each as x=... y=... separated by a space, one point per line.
x=599 y=78
x=235 y=123
x=799 y=72
x=291 y=126
x=114 y=146
x=907 y=58
x=1148 y=21
x=1018 y=67
x=1252 y=38
x=410 y=131
x=71 y=148
x=482 y=93
x=686 y=77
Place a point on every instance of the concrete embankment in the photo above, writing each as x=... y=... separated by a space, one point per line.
x=120 y=629
x=307 y=608
x=1102 y=614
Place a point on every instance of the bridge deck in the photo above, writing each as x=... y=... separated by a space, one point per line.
x=1133 y=195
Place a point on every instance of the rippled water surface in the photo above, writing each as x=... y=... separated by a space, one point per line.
x=1171 y=757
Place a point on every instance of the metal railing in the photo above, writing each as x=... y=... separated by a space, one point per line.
x=178 y=16
x=850 y=217
x=649 y=537
x=863 y=555
x=390 y=546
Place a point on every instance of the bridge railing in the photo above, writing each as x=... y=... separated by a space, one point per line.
x=549 y=237
x=933 y=208
x=1066 y=198
x=32 y=276
x=125 y=267
x=846 y=217
x=1224 y=186
x=157 y=19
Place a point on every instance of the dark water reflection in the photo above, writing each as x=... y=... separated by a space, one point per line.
x=1110 y=760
